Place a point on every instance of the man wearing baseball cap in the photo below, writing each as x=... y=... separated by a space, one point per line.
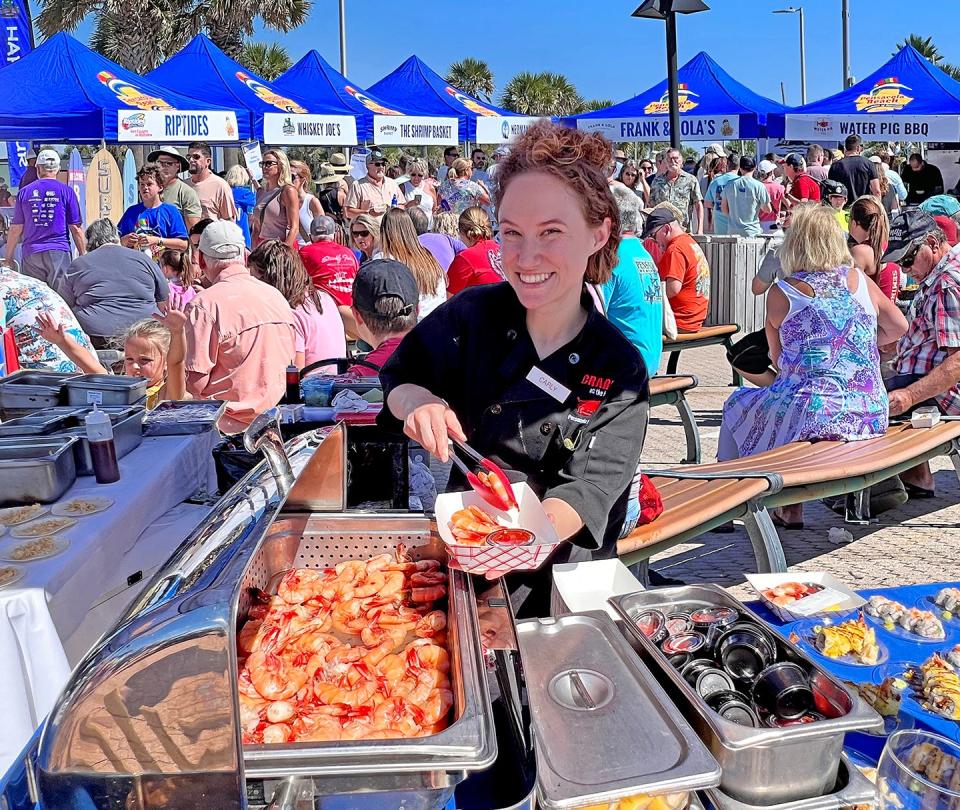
x=376 y=192
x=766 y=174
x=180 y=195
x=385 y=299
x=802 y=185
x=332 y=267
x=928 y=355
x=46 y=212
x=239 y=332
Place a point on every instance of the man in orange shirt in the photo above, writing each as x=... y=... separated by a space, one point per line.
x=683 y=269
x=240 y=332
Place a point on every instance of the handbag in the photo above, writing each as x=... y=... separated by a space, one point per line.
x=669 y=321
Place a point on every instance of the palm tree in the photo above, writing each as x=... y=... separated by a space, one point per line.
x=161 y=28
x=472 y=76
x=930 y=51
x=596 y=104
x=267 y=61
x=541 y=94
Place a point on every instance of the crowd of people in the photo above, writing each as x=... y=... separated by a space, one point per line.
x=214 y=285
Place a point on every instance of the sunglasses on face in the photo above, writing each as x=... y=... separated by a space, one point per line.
x=195 y=157
x=911 y=255
x=168 y=162
x=415 y=174
x=454 y=155
x=360 y=234
x=380 y=163
x=268 y=163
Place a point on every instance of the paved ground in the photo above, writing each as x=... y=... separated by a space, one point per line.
x=917 y=543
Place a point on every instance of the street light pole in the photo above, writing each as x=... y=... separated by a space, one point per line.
x=343 y=37
x=667 y=10
x=803 y=50
x=845 y=25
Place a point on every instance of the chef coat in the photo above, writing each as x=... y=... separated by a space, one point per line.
x=572 y=422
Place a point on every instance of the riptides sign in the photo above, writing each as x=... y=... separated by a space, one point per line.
x=692 y=128
x=176 y=125
x=322 y=130
x=414 y=130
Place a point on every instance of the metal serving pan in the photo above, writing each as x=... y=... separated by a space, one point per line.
x=127 y=435
x=105 y=389
x=38 y=424
x=182 y=417
x=851 y=790
x=761 y=766
x=605 y=729
x=341 y=768
x=36 y=469
x=26 y=391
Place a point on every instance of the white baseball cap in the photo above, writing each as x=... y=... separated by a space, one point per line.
x=875 y=159
x=767 y=166
x=222 y=240
x=49 y=158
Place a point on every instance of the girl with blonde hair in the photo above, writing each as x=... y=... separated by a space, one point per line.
x=155 y=349
x=458 y=192
x=824 y=323
x=277 y=212
x=365 y=235
x=480 y=263
x=398 y=240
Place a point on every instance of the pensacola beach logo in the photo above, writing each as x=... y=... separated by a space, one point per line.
x=133 y=122
x=884 y=96
x=267 y=96
x=369 y=103
x=470 y=104
x=131 y=95
x=685 y=98
x=8 y=8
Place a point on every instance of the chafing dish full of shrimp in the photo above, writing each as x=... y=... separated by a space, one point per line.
x=352 y=652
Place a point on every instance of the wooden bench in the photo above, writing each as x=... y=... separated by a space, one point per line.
x=717 y=335
x=672 y=391
x=698 y=499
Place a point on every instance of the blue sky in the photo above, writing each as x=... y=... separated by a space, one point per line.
x=608 y=54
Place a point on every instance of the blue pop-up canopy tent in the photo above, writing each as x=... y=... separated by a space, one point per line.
x=64 y=92
x=713 y=106
x=419 y=89
x=908 y=99
x=278 y=118
x=319 y=84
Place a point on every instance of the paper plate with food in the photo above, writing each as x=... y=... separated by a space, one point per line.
x=43 y=527
x=846 y=639
x=10 y=574
x=82 y=506
x=907 y=623
x=37 y=548
x=481 y=538
x=15 y=515
x=802 y=594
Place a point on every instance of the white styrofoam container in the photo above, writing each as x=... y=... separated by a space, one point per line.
x=481 y=559
x=588 y=585
x=848 y=599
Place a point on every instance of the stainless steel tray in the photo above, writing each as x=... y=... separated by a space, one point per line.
x=760 y=765
x=605 y=729
x=105 y=389
x=27 y=390
x=182 y=417
x=36 y=470
x=38 y=424
x=127 y=436
x=852 y=789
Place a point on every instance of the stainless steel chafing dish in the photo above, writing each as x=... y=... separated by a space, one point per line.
x=150 y=718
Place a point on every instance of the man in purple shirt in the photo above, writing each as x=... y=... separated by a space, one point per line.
x=443 y=248
x=46 y=212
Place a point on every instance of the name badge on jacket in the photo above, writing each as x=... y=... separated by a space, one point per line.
x=546 y=383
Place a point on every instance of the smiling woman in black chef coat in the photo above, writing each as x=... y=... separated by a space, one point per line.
x=529 y=372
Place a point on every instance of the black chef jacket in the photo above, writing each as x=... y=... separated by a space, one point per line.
x=474 y=351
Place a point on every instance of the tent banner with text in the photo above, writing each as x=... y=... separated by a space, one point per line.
x=163 y=126
x=414 y=130
x=503 y=129
x=646 y=130
x=873 y=127
x=17 y=43
x=299 y=128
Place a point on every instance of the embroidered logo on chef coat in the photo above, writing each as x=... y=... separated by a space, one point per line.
x=592 y=391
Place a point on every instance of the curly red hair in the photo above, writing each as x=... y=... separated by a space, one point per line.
x=581 y=161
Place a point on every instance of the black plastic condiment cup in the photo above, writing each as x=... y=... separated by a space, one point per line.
x=783 y=690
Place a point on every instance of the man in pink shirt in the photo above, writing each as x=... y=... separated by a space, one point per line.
x=240 y=332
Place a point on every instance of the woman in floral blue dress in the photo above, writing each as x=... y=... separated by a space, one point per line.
x=824 y=324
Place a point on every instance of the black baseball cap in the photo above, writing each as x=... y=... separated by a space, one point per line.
x=657 y=218
x=747 y=163
x=795 y=161
x=385 y=278
x=834 y=188
x=907 y=226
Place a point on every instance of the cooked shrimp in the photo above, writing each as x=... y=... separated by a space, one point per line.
x=273 y=679
x=280 y=711
x=428 y=656
x=420 y=579
x=436 y=707
x=277 y=733
x=422 y=595
x=300 y=584
x=318 y=727
x=398 y=715
x=247 y=637
x=431 y=624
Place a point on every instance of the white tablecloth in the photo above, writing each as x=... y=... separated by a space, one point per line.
x=52 y=600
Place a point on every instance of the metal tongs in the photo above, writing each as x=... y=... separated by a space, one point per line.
x=487 y=479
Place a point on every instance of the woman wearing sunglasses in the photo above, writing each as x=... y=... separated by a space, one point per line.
x=528 y=371
x=419 y=190
x=277 y=212
x=365 y=237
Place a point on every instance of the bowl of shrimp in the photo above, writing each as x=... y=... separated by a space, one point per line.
x=481 y=538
